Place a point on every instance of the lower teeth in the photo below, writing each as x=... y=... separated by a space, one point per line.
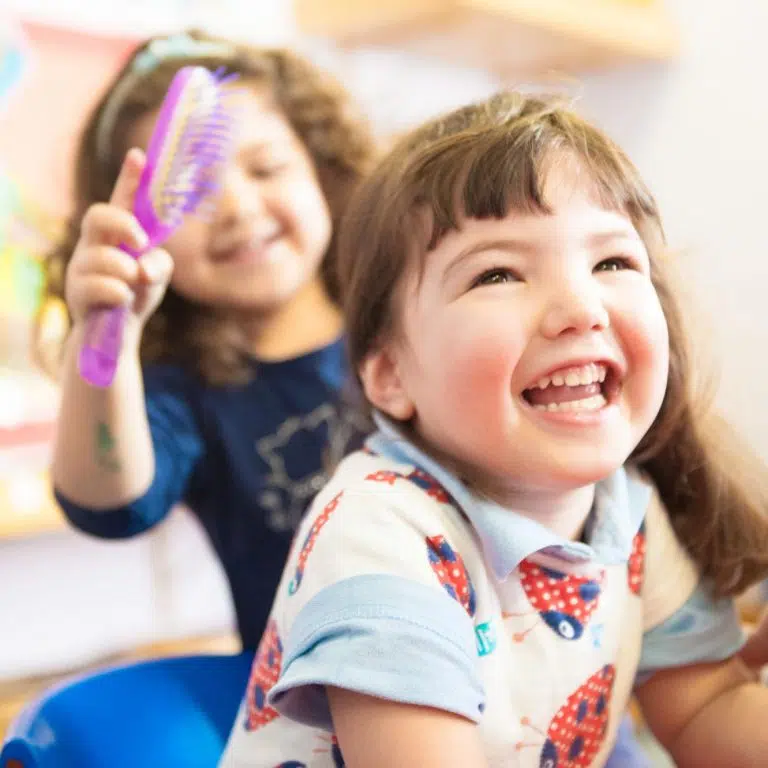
x=593 y=403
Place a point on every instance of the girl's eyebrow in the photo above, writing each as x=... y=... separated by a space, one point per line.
x=597 y=239
x=263 y=146
x=522 y=247
x=256 y=148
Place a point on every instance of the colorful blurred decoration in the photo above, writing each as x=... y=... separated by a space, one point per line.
x=35 y=154
x=28 y=403
x=26 y=232
x=28 y=399
x=14 y=58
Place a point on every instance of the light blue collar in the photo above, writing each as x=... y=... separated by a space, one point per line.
x=509 y=537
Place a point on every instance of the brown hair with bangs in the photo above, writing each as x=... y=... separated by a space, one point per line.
x=319 y=110
x=486 y=159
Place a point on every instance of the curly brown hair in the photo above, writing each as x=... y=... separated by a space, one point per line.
x=487 y=159
x=320 y=111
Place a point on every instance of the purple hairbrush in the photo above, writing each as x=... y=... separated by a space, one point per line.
x=188 y=149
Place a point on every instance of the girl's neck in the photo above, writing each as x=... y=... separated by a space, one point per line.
x=308 y=321
x=564 y=513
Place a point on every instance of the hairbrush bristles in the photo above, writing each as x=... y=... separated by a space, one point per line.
x=199 y=150
x=188 y=151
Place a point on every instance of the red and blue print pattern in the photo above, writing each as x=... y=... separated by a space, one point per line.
x=418 y=477
x=309 y=541
x=577 y=731
x=264 y=674
x=636 y=564
x=563 y=601
x=451 y=572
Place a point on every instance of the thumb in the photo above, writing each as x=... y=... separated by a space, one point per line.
x=127 y=182
x=155 y=267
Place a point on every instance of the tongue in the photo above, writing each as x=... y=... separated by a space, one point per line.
x=562 y=394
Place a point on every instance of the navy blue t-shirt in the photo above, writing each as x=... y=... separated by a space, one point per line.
x=246 y=459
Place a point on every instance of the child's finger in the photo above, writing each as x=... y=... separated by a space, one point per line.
x=107 y=261
x=155 y=266
x=105 y=224
x=128 y=181
x=99 y=290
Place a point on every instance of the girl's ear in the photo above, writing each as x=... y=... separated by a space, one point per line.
x=383 y=385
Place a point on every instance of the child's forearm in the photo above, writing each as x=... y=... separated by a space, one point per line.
x=732 y=731
x=103 y=454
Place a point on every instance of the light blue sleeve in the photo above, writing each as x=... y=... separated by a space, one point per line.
x=703 y=629
x=384 y=636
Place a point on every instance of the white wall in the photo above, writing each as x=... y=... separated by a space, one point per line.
x=68 y=600
x=699 y=132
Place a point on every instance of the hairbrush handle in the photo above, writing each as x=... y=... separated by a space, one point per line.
x=103 y=340
x=100 y=352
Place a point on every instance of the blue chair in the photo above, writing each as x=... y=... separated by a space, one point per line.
x=165 y=713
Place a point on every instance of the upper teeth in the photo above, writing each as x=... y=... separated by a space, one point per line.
x=573 y=377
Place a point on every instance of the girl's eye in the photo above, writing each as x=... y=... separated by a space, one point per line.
x=495 y=276
x=265 y=171
x=615 y=264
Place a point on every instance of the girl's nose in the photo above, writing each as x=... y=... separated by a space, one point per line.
x=577 y=309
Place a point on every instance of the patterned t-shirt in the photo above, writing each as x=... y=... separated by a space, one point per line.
x=403 y=585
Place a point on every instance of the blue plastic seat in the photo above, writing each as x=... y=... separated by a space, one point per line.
x=164 y=713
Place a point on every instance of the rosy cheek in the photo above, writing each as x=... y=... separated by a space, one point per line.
x=655 y=336
x=483 y=368
x=645 y=339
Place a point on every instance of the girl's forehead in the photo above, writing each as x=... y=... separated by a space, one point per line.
x=259 y=120
x=565 y=177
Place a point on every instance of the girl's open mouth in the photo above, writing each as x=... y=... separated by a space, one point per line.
x=582 y=388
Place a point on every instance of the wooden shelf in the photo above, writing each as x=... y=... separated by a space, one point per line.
x=514 y=38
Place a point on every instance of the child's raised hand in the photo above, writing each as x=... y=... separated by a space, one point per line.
x=100 y=273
